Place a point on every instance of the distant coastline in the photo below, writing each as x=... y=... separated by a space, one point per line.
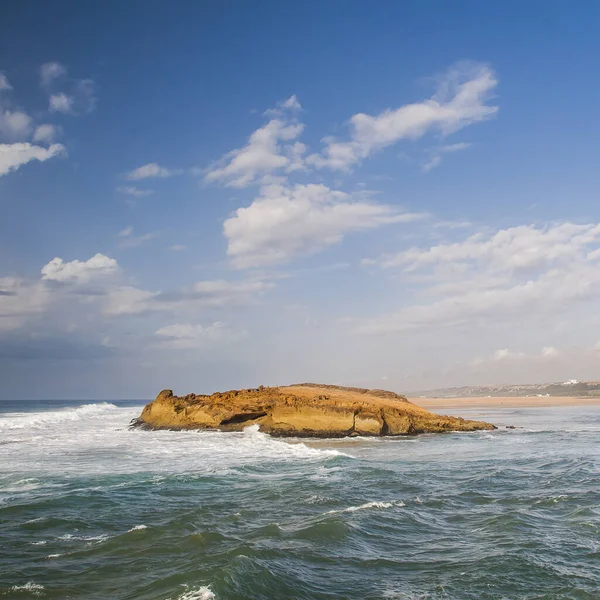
x=571 y=388
x=433 y=403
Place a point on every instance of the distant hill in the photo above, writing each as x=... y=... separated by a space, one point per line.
x=564 y=388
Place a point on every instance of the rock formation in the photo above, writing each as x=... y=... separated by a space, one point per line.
x=305 y=410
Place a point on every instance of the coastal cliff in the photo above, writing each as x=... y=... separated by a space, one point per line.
x=305 y=410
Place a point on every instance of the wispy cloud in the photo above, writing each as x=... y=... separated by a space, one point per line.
x=269 y=149
x=14 y=156
x=288 y=221
x=80 y=100
x=437 y=154
x=129 y=240
x=497 y=275
x=460 y=100
x=15 y=124
x=152 y=170
x=186 y=335
x=133 y=191
x=51 y=71
x=128 y=300
x=46 y=133
x=547 y=353
x=5 y=85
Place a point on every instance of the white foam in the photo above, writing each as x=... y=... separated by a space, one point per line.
x=29 y=420
x=201 y=593
x=22 y=485
x=553 y=499
x=367 y=506
x=86 y=538
x=137 y=528
x=95 y=439
x=34 y=588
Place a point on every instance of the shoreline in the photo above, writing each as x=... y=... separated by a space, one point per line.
x=503 y=402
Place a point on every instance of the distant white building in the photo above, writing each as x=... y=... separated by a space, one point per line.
x=571 y=382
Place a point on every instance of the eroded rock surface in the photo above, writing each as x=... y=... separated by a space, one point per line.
x=308 y=410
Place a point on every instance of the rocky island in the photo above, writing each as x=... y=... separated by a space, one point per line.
x=303 y=410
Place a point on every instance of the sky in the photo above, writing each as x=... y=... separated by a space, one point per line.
x=222 y=194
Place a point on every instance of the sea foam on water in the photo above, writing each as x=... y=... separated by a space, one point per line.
x=247 y=515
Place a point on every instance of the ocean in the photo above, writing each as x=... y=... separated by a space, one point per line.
x=92 y=510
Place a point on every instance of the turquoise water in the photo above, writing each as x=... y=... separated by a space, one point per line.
x=92 y=510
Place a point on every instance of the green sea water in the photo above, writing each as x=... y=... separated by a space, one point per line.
x=92 y=510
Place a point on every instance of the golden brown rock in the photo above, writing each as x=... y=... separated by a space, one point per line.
x=308 y=410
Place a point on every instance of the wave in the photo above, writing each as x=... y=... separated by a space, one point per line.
x=22 y=485
x=35 y=589
x=86 y=538
x=41 y=419
x=367 y=506
x=253 y=433
x=201 y=593
x=137 y=528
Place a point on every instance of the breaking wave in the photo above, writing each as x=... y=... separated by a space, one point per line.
x=216 y=515
x=367 y=506
x=41 y=419
x=201 y=593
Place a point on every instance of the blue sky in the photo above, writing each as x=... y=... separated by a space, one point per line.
x=223 y=194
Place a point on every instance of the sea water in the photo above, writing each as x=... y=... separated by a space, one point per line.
x=90 y=509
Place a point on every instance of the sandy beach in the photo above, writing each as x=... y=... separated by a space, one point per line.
x=503 y=402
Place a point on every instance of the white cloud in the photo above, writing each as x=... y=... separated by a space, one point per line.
x=515 y=248
x=17 y=126
x=550 y=352
x=187 y=336
x=219 y=292
x=14 y=125
x=4 y=83
x=46 y=133
x=131 y=241
x=51 y=71
x=128 y=300
x=85 y=96
x=460 y=101
x=438 y=153
x=152 y=170
x=135 y=241
x=78 y=96
x=130 y=190
x=513 y=272
x=13 y=156
x=546 y=354
x=287 y=221
x=20 y=299
x=126 y=232
x=291 y=103
x=269 y=149
x=177 y=247
x=79 y=271
x=203 y=294
x=61 y=103
x=81 y=101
